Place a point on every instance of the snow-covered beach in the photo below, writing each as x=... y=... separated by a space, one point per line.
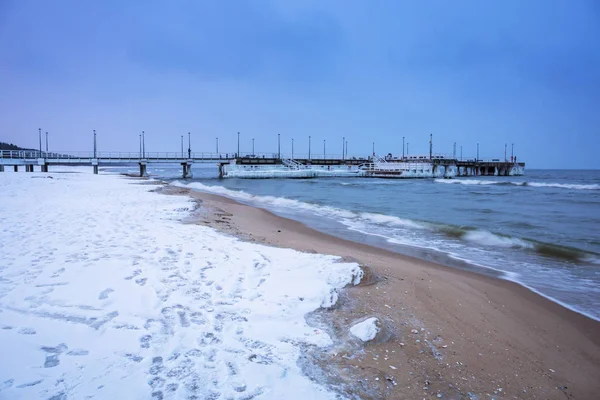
x=105 y=293
x=111 y=288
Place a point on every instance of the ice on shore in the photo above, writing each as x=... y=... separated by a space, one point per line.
x=105 y=293
x=366 y=330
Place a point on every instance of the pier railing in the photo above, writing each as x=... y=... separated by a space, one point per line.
x=85 y=156
x=111 y=155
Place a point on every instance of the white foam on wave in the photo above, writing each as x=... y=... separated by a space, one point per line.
x=565 y=185
x=525 y=183
x=390 y=220
x=487 y=238
x=341 y=215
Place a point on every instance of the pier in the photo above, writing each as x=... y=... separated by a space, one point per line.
x=44 y=161
x=31 y=159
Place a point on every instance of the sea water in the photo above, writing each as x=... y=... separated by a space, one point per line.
x=541 y=230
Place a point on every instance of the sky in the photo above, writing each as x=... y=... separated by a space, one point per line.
x=493 y=73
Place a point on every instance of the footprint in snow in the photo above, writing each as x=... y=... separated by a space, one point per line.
x=51 y=361
x=27 y=331
x=78 y=352
x=104 y=294
x=61 y=348
x=134 y=274
x=141 y=281
x=145 y=341
x=57 y=273
x=157 y=366
x=6 y=384
x=28 y=384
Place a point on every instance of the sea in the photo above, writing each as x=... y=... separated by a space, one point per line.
x=541 y=230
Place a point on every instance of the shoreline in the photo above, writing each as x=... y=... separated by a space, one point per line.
x=475 y=333
x=550 y=267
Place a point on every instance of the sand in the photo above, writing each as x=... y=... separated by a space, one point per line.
x=445 y=333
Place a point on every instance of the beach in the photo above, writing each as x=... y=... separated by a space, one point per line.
x=122 y=287
x=474 y=333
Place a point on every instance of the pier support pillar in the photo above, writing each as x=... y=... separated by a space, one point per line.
x=44 y=167
x=16 y=168
x=1 y=168
x=95 y=165
x=450 y=171
x=143 y=171
x=187 y=169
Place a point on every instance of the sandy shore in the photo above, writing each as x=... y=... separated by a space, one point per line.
x=448 y=333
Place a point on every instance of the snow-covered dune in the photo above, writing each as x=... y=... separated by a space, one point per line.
x=104 y=292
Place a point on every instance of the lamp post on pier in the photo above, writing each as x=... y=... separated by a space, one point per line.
x=373 y=149
x=461 y=152
x=403 y=147
x=323 y=149
x=309 y=147
x=407 y=148
x=182 y=146
x=46 y=144
x=218 y=147
x=40 y=135
x=252 y=146
x=343 y=148
x=238 y=149
x=292 y=148
x=477 y=160
x=430 y=146
x=278 y=146
x=454 y=151
x=95 y=160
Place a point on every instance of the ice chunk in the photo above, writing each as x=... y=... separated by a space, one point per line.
x=366 y=330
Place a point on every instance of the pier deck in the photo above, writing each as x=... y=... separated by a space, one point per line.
x=44 y=160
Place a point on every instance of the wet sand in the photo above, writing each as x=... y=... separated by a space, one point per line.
x=448 y=333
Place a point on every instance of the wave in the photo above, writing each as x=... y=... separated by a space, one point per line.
x=487 y=238
x=404 y=226
x=490 y=239
x=565 y=185
x=295 y=205
x=530 y=184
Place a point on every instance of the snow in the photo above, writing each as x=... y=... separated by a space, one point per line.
x=366 y=330
x=106 y=291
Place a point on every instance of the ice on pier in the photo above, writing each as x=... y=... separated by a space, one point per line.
x=104 y=292
x=283 y=171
